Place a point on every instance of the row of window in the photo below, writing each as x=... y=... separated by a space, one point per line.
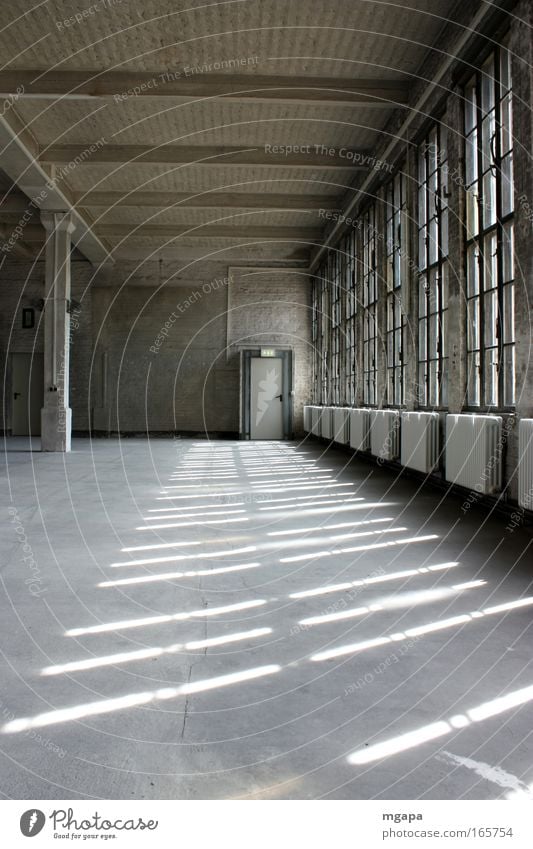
x=373 y=264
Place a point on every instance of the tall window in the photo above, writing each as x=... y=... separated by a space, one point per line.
x=336 y=283
x=316 y=339
x=324 y=332
x=351 y=294
x=370 y=295
x=396 y=254
x=433 y=265
x=489 y=234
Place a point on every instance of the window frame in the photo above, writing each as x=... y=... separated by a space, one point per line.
x=433 y=269
x=369 y=292
x=489 y=163
x=395 y=264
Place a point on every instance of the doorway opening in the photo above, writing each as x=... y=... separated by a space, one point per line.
x=27 y=385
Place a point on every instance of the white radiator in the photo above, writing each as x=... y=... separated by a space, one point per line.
x=359 y=429
x=384 y=433
x=420 y=441
x=316 y=415
x=327 y=423
x=474 y=452
x=525 y=464
x=308 y=418
x=341 y=423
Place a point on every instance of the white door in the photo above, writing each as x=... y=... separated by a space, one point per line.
x=266 y=398
x=28 y=394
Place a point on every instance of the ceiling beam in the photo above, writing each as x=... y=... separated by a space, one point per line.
x=18 y=161
x=214 y=199
x=195 y=83
x=210 y=231
x=292 y=156
x=13 y=203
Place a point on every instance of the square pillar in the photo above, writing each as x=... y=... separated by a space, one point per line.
x=56 y=415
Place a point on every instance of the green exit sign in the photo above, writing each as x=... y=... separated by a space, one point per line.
x=268 y=352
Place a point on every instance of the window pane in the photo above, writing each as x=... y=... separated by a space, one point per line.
x=472 y=216
x=422 y=296
x=433 y=383
x=491 y=377
x=471 y=159
x=507 y=185
x=470 y=106
x=473 y=379
x=508 y=375
x=489 y=199
x=508 y=313
x=490 y=270
x=508 y=252
x=491 y=307
x=473 y=325
x=487 y=86
x=506 y=125
x=422 y=340
x=443 y=400
x=472 y=271
x=505 y=71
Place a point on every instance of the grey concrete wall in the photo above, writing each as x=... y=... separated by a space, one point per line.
x=149 y=343
x=272 y=309
x=159 y=361
x=22 y=285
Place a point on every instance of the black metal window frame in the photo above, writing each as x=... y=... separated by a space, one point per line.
x=351 y=312
x=489 y=234
x=395 y=252
x=433 y=269
x=369 y=286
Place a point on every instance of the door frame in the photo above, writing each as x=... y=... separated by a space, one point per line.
x=34 y=369
x=285 y=355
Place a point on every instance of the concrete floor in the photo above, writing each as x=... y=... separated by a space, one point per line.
x=256 y=620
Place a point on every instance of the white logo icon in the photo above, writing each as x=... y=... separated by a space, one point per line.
x=268 y=389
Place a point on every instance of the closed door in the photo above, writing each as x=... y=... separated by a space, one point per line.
x=28 y=394
x=266 y=398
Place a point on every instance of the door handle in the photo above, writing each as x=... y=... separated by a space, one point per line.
x=16 y=395
x=279 y=396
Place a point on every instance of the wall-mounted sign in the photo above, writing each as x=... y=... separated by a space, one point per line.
x=28 y=317
x=268 y=352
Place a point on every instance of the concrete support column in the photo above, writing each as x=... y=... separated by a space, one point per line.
x=56 y=416
x=456 y=331
x=522 y=55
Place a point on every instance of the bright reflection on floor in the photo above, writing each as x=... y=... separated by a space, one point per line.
x=438 y=729
x=167 y=514
x=212 y=554
x=353 y=549
x=191 y=524
x=401 y=600
x=159 y=545
x=339 y=507
x=391 y=576
x=134 y=700
x=430 y=628
x=311 y=541
x=147 y=654
x=149 y=579
x=164 y=618
x=317 y=528
x=196 y=508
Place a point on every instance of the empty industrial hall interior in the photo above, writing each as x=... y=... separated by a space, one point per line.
x=266 y=271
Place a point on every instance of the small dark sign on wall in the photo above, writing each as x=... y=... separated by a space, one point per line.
x=28 y=317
